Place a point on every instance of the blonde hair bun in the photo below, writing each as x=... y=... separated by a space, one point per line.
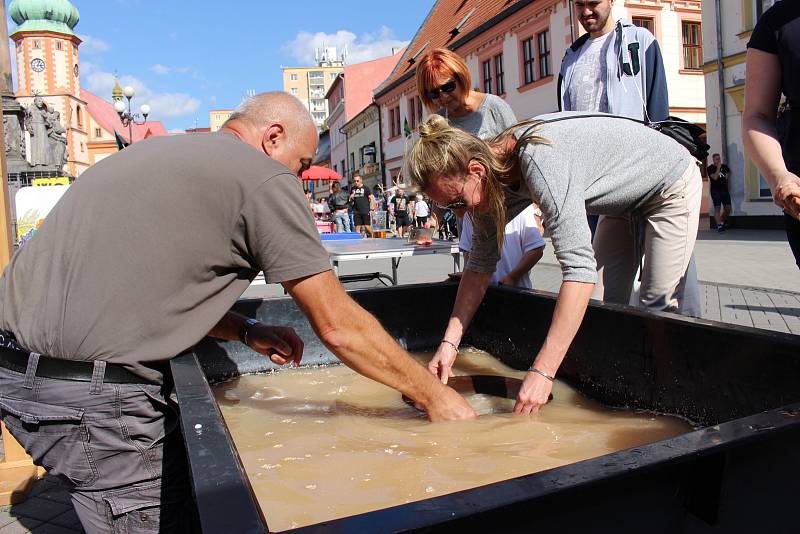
x=433 y=125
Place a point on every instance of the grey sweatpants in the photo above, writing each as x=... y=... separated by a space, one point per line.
x=118 y=446
x=670 y=229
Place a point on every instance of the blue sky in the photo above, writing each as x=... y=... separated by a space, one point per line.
x=185 y=57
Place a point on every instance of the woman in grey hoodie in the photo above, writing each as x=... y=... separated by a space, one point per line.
x=567 y=167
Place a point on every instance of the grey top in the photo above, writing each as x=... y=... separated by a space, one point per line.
x=604 y=166
x=491 y=118
x=150 y=247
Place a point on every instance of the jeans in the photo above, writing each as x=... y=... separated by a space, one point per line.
x=342 y=221
x=118 y=447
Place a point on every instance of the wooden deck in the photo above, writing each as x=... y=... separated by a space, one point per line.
x=768 y=309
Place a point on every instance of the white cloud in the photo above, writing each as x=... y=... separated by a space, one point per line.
x=92 y=45
x=162 y=105
x=158 y=68
x=367 y=46
x=176 y=131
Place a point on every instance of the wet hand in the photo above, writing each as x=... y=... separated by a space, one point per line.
x=442 y=363
x=280 y=343
x=449 y=406
x=533 y=394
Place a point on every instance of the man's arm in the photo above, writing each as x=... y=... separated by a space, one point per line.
x=363 y=345
x=657 y=96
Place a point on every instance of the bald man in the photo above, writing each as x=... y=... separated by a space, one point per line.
x=143 y=257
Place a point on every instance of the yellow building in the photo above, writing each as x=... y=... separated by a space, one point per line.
x=310 y=84
x=217 y=117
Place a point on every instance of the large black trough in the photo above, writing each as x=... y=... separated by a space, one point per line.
x=739 y=473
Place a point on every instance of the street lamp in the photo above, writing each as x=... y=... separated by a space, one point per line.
x=124 y=111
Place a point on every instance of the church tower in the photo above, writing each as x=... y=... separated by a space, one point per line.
x=48 y=67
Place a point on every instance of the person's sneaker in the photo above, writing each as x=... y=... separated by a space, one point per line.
x=720 y=228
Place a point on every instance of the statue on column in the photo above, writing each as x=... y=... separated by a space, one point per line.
x=57 y=135
x=36 y=123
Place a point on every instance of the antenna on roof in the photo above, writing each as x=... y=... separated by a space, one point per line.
x=413 y=58
x=460 y=25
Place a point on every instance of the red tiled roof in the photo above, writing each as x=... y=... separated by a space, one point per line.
x=105 y=115
x=435 y=31
x=361 y=79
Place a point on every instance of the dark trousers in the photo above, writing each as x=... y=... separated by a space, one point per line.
x=793 y=234
x=118 y=447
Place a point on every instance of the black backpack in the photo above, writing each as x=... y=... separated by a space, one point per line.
x=688 y=135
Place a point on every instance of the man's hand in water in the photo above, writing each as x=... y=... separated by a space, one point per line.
x=449 y=406
x=280 y=343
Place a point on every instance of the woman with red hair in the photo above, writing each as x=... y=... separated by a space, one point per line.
x=443 y=84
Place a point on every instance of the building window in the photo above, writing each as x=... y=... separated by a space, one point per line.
x=544 y=53
x=419 y=110
x=79 y=115
x=498 y=74
x=37 y=45
x=412 y=112
x=98 y=132
x=294 y=91
x=487 y=76
x=58 y=45
x=394 y=121
x=645 y=22
x=528 y=59
x=692 y=45
x=333 y=75
x=293 y=77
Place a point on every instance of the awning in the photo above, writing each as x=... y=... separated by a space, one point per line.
x=316 y=172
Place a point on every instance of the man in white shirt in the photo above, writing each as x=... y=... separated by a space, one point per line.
x=523 y=247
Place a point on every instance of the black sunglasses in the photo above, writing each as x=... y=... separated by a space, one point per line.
x=447 y=87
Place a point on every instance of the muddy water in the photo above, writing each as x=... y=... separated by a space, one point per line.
x=324 y=443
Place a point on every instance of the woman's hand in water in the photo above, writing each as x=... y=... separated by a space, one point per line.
x=533 y=394
x=442 y=363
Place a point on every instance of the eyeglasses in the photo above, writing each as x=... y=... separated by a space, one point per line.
x=447 y=87
x=458 y=203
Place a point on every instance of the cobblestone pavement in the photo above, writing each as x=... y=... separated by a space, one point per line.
x=747 y=278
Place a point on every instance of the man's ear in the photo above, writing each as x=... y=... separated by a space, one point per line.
x=271 y=138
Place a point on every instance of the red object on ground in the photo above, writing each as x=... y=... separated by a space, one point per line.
x=315 y=172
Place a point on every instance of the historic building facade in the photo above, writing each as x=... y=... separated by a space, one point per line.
x=514 y=49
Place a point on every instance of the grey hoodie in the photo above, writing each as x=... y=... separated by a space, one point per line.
x=635 y=74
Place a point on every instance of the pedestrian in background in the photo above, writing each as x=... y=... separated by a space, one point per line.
x=617 y=68
x=718 y=179
x=339 y=202
x=421 y=211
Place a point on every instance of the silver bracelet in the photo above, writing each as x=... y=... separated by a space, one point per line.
x=449 y=343
x=538 y=372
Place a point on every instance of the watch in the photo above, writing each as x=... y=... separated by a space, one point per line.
x=245 y=328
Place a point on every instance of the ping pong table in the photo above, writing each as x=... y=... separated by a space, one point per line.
x=393 y=249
